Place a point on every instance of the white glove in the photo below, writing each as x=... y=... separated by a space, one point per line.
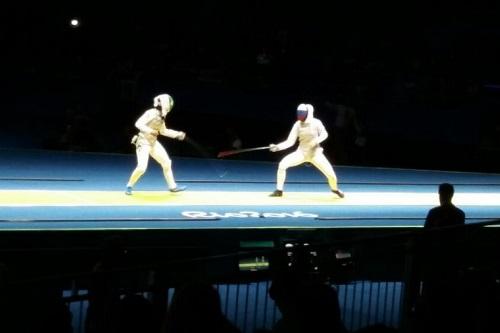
x=274 y=148
x=181 y=136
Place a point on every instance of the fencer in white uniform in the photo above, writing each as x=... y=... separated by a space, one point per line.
x=311 y=133
x=152 y=124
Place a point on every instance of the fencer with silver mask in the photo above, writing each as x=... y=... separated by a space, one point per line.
x=311 y=133
x=150 y=125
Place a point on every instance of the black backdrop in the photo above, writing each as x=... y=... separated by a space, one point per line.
x=422 y=83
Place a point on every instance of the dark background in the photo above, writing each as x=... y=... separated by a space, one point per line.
x=420 y=85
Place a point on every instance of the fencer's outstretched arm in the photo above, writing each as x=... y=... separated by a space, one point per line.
x=143 y=121
x=172 y=133
x=290 y=141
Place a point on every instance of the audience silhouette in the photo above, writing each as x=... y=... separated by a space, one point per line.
x=132 y=314
x=196 y=308
x=34 y=307
x=447 y=214
x=445 y=297
x=307 y=304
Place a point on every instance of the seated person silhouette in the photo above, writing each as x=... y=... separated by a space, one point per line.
x=446 y=214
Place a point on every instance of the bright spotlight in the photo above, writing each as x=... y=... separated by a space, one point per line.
x=74 y=22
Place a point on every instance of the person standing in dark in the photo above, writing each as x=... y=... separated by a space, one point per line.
x=445 y=302
x=446 y=214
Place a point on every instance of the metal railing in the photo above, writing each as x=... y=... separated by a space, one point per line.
x=249 y=306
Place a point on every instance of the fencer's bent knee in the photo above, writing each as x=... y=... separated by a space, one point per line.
x=282 y=166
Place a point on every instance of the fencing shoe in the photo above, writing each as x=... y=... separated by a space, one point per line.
x=276 y=193
x=128 y=190
x=339 y=193
x=178 y=189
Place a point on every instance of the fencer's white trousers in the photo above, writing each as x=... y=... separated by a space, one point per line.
x=160 y=155
x=318 y=159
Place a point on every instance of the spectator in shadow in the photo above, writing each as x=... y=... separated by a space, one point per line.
x=446 y=214
x=133 y=314
x=78 y=134
x=34 y=307
x=263 y=61
x=102 y=296
x=348 y=138
x=445 y=294
x=196 y=308
x=233 y=138
x=306 y=305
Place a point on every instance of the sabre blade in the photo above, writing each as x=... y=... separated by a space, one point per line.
x=237 y=151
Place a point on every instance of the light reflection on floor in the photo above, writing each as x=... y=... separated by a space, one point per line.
x=36 y=198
